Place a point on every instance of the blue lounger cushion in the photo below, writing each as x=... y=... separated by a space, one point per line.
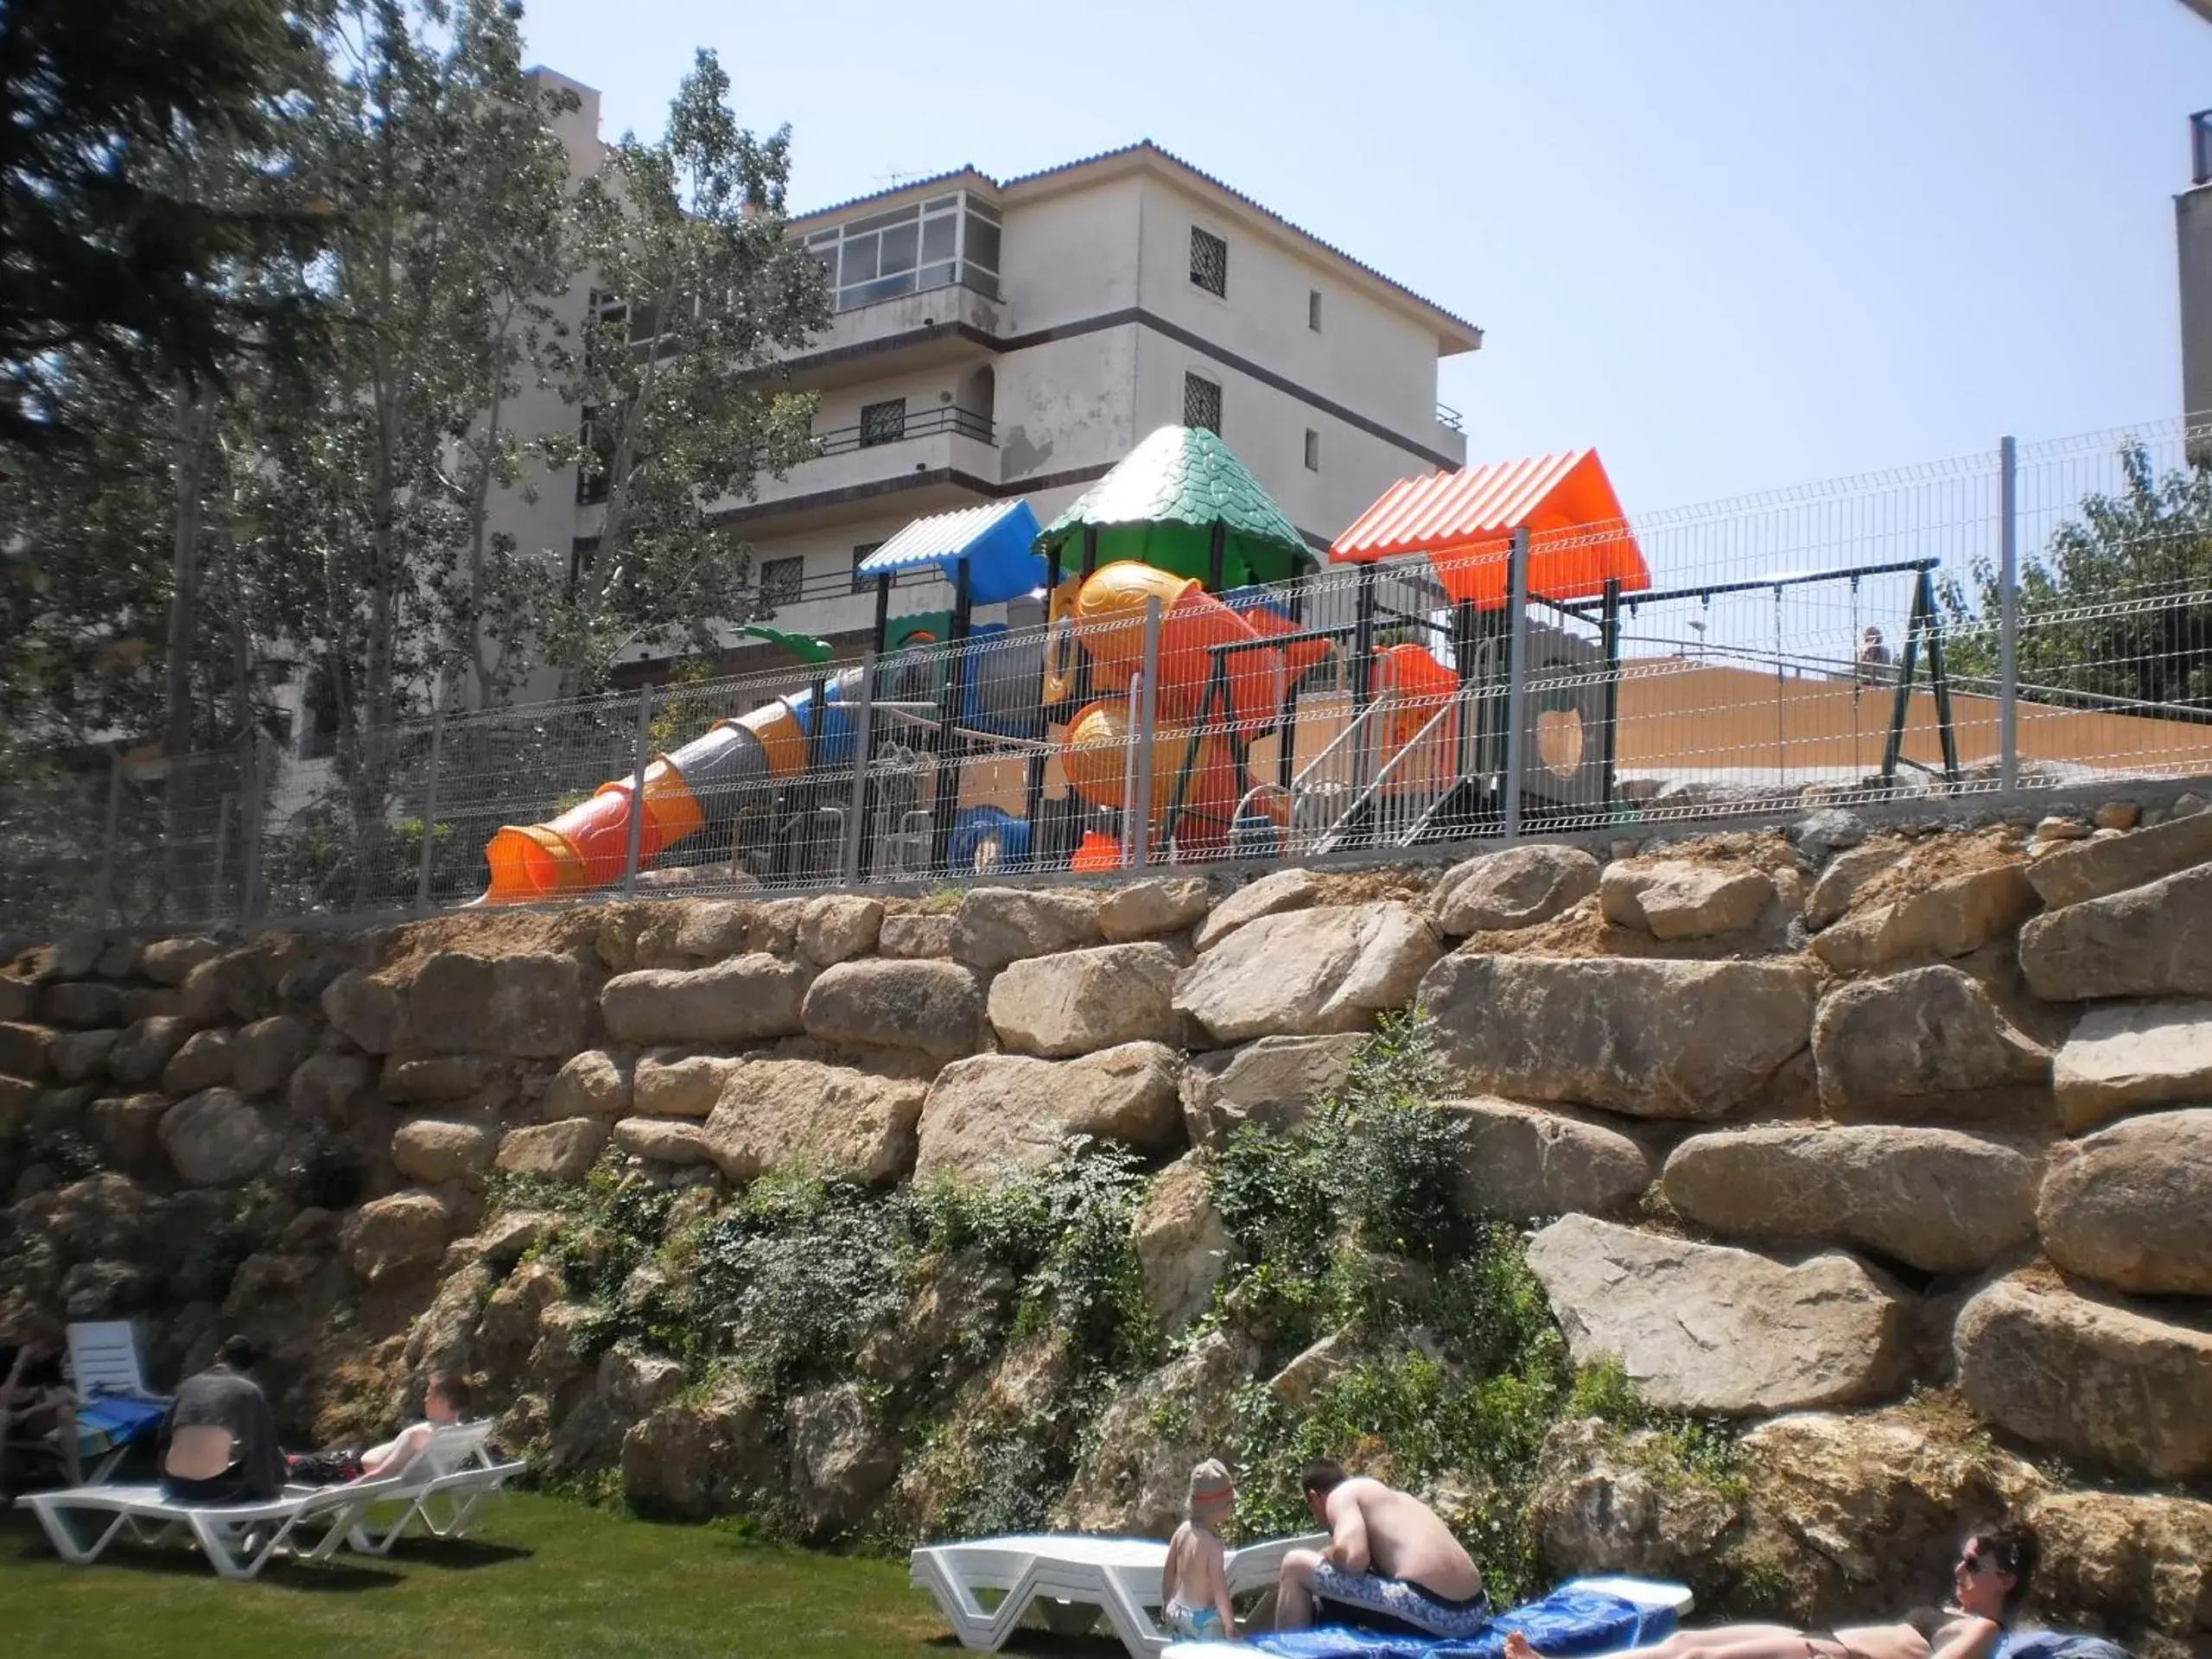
x=2058 y=1645
x=1567 y=1623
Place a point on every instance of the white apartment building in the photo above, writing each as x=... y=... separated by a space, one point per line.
x=1019 y=337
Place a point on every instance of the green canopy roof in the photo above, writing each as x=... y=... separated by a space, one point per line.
x=1161 y=504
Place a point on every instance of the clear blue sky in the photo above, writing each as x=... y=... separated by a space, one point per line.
x=1734 y=244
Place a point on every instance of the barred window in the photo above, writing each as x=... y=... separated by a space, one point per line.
x=863 y=584
x=1209 y=262
x=1202 y=403
x=781 y=580
x=883 y=422
x=1313 y=309
x=1313 y=450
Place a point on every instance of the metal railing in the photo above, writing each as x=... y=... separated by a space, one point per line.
x=867 y=434
x=2036 y=617
x=1450 y=418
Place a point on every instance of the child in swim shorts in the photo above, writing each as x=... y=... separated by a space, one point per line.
x=1195 y=1584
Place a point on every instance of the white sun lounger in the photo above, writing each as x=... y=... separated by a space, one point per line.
x=238 y=1540
x=1119 y=1576
x=1647 y=1592
x=443 y=1488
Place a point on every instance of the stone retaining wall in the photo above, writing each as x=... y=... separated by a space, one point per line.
x=1803 y=1124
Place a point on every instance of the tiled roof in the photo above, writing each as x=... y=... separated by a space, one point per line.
x=1142 y=147
x=1181 y=474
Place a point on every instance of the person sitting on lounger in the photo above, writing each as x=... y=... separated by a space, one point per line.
x=218 y=1441
x=1990 y=1577
x=445 y=1399
x=36 y=1405
x=1194 y=1584
x=1391 y=1561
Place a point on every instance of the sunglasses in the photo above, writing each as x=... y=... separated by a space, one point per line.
x=1977 y=1561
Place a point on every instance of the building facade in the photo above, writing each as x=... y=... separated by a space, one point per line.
x=2193 y=239
x=996 y=339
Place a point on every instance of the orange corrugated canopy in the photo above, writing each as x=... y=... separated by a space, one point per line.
x=1579 y=538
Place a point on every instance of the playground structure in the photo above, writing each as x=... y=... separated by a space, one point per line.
x=1187 y=695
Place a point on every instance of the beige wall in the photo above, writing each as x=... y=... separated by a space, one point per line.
x=1070 y=256
x=2193 y=234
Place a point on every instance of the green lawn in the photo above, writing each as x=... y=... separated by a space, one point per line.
x=542 y=1576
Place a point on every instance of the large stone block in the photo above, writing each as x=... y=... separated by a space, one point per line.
x=2128 y=1057
x=433 y=1150
x=1306 y=972
x=1273 y=1083
x=1082 y=1001
x=843 y=1457
x=1145 y=910
x=2154 y=940
x=1271 y=895
x=793 y=1116
x=227 y=989
x=1951 y=918
x=167 y=962
x=441 y=1077
x=1707 y=1329
x=1675 y=899
x=216 y=1139
x=82 y=1004
x=1183 y=1249
x=266 y=1052
x=1517 y=1162
x=76 y=1056
x=24 y=1049
x=1927 y=1043
x=1846 y=877
x=369 y=1012
x=1494 y=893
x=933 y=1006
x=2094 y=869
x=126 y=1128
x=994 y=1111
x=2136 y=1567
x=529 y=1007
x=328 y=1086
x=664 y=1140
x=914 y=936
x=403 y=1233
x=201 y=1061
x=746 y=1000
x=2131 y=1206
x=595 y=1083
x=2095 y=1382
x=997 y=925
x=1938 y=1199
x=838 y=926
x=564 y=1152
x=1652 y=1039
x=683 y=1086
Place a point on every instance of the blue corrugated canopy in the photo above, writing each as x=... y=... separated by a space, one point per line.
x=993 y=541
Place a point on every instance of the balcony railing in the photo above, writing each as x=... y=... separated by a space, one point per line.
x=1450 y=418
x=881 y=429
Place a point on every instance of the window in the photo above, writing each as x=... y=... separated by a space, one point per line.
x=781 y=580
x=319 y=703
x=1313 y=309
x=1209 y=262
x=883 y=422
x=592 y=463
x=930 y=244
x=1313 y=450
x=863 y=584
x=1202 y=403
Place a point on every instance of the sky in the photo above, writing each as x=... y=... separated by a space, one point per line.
x=1735 y=245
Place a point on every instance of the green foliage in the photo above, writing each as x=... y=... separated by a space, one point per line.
x=70 y=1155
x=214 y=1259
x=2113 y=605
x=332 y=1175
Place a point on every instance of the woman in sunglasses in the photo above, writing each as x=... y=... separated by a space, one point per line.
x=1988 y=1582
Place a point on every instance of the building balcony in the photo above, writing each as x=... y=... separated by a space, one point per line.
x=926 y=461
x=908 y=331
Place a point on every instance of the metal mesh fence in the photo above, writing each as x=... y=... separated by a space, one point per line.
x=2036 y=616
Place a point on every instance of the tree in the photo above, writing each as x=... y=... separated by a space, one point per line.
x=113 y=255
x=700 y=291
x=2116 y=607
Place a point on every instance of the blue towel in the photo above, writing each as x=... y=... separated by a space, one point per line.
x=2057 y=1644
x=1563 y=1624
x=114 y=1419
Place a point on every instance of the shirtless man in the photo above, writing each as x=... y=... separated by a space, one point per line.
x=1389 y=1557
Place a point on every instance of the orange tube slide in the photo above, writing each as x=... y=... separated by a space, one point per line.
x=1109 y=612
x=587 y=846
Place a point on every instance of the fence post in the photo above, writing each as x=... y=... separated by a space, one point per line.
x=108 y=835
x=2008 y=626
x=863 y=717
x=644 y=759
x=251 y=812
x=1516 y=672
x=430 y=804
x=222 y=855
x=1146 y=734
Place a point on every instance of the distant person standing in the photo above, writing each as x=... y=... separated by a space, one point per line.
x=1873 y=657
x=218 y=1441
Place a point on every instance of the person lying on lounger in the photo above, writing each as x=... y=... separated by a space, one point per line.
x=1194 y=1584
x=445 y=1400
x=1990 y=1577
x=1391 y=1561
x=36 y=1405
